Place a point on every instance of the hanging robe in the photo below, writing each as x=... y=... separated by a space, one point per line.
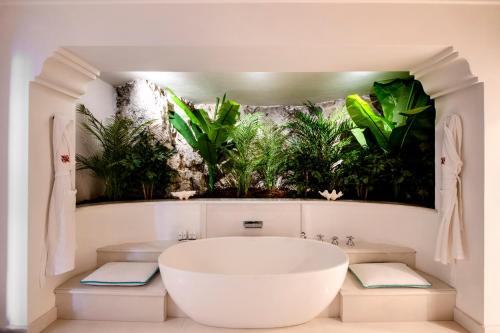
x=449 y=246
x=60 y=241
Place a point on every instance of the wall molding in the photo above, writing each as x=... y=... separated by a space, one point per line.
x=66 y=73
x=471 y=324
x=444 y=73
x=43 y=321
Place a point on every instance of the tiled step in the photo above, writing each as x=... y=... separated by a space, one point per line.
x=364 y=252
x=143 y=251
x=141 y=303
x=354 y=303
x=361 y=252
x=358 y=304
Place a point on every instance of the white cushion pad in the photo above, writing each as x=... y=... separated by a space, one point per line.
x=122 y=274
x=388 y=275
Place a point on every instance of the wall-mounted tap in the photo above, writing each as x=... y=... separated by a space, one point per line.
x=303 y=235
x=335 y=240
x=350 y=241
x=320 y=237
x=186 y=235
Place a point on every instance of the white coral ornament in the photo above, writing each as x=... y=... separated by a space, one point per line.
x=183 y=195
x=331 y=196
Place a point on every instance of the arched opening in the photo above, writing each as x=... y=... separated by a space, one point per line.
x=445 y=77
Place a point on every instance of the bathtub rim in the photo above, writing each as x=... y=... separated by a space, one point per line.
x=345 y=262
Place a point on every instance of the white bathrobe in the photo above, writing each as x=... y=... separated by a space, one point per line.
x=449 y=245
x=60 y=237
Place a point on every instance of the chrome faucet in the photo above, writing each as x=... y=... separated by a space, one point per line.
x=303 y=235
x=320 y=237
x=350 y=241
x=335 y=240
x=186 y=235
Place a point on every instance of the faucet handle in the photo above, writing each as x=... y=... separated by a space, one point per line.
x=350 y=241
x=335 y=240
x=320 y=237
x=303 y=235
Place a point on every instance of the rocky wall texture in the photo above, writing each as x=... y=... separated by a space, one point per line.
x=142 y=100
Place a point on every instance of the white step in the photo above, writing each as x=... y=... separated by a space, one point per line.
x=359 y=304
x=140 y=303
x=143 y=251
x=364 y=252
x=361 y=252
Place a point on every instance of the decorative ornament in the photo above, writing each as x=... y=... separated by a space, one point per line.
x=183 y=195
x=331 y=196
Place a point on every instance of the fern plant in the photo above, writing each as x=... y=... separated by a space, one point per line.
x=243 y=158
x=149 y=161
x=316 y=145
x=272 y=154
x=111 y=162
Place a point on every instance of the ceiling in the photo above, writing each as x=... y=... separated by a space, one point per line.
x=260 y=88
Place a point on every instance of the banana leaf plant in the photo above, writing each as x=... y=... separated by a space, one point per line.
x=209 y=137
x=405 y=115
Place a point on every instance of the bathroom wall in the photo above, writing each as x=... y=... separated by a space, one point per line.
x=100 y=99
x=468 y=275
x=250 y=37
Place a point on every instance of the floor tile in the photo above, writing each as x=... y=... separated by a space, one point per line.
x=185 y=325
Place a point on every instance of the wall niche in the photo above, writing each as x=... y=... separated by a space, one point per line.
x=367 y=145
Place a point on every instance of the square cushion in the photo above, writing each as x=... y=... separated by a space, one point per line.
x=388 y=275
x=122 y=274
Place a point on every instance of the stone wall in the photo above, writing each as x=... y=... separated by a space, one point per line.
x=143 y=100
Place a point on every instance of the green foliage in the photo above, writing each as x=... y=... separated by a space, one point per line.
x=243 y=158
x=130 y=158
x=365 y=117
x=397 y=137
x=148 y=159
x=209 y=137
x=406 y=114
x=316 y=145
x=115 y=138
x=380 y=148
x=272 y=154
x=365 y=170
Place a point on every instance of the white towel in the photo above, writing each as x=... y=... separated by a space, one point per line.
x=449 y=245
x=60 y=242
x=122 y=274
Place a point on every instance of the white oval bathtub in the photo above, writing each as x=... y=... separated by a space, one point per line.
x=253 y=282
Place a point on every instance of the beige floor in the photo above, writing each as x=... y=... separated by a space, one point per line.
x=184 y=325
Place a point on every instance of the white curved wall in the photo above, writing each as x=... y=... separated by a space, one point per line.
x=107 y=224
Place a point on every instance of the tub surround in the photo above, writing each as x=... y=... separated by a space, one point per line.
x=401 y=304
x=146 y=303
x=157 y=220
x=360 y=253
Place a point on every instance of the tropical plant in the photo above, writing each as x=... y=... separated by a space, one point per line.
x=272 y=154
x=209 y=137
x=316 y=146
x=364 y=170
x=243 y=158
x=406 y=115
x=398 y=121
x=149 y=161
x=115 y=138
